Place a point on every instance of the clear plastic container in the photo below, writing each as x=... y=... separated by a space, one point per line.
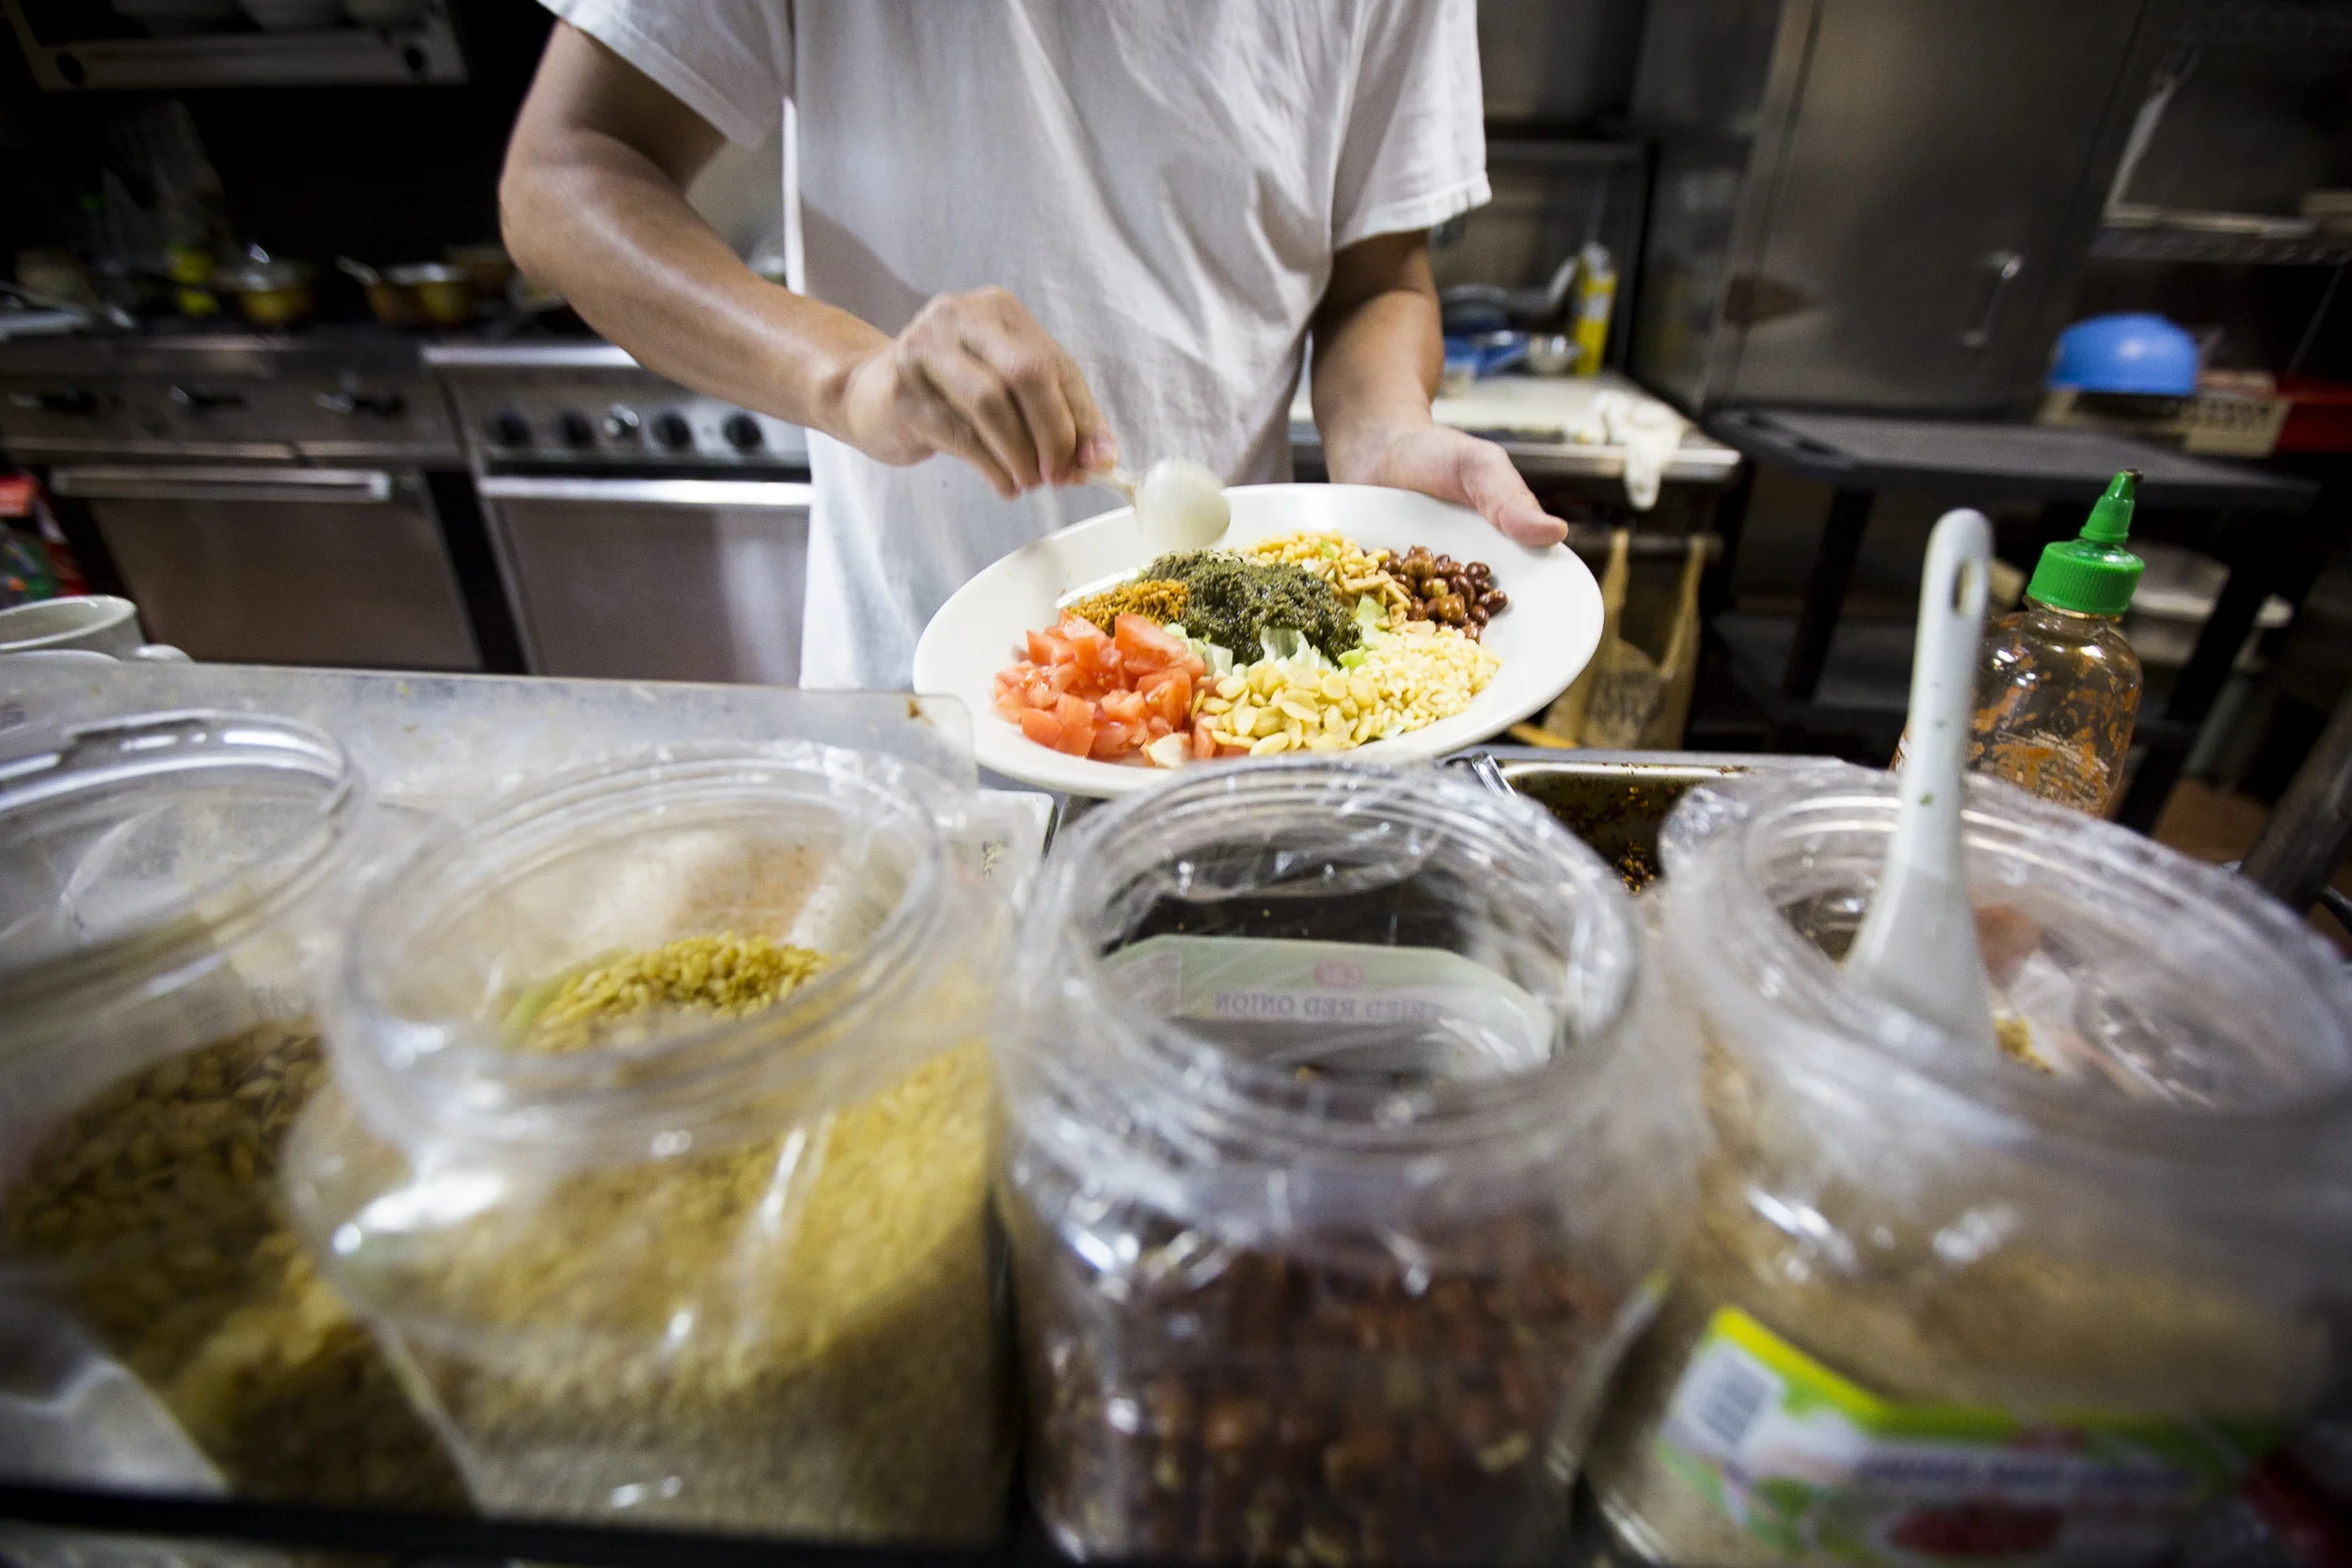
x=1336 y=1167
x=2037 y=1306
x=167 y=885
x=731 y=1270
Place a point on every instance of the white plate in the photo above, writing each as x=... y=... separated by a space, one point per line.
x=1543 y=639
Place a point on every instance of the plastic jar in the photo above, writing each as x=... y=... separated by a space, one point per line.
x=2033 y=1305
x=168 y=883
x=727 y=1270
x=1335 y=1166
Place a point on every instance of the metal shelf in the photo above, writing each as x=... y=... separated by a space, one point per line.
x=423 y=53
x=2267 y=24
x=2197 y=245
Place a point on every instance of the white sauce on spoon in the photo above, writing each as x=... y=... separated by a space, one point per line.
x=1181 y=506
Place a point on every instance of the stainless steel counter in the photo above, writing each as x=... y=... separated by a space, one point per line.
x=433 y=742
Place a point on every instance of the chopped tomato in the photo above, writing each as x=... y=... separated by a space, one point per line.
x=1168 y=694
x=1203 y=743
x=1087 y=692
x=1041 y=726
x=1140 y=639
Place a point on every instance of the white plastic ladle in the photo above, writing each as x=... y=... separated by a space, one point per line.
x=1179 y=504
x=1918 y=945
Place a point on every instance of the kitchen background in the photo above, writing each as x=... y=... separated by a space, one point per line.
x=1883 y=208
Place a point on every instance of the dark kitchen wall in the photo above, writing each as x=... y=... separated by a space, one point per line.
x=386 y=174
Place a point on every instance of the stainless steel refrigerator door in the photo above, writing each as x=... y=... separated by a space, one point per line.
x=283 y=566
x=1930 y=202
x=654 y=579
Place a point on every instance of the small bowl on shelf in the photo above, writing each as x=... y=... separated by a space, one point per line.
x=1552 y=354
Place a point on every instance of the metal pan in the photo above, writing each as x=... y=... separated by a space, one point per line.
x=1613 y=800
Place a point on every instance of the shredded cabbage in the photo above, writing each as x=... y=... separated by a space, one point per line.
x=1217 y=657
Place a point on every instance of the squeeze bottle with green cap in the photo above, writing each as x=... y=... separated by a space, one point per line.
x=2058 y=687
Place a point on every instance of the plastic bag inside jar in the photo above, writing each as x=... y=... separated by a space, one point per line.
x=1336 y=1168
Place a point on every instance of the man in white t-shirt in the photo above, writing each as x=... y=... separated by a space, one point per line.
x=1028 y=235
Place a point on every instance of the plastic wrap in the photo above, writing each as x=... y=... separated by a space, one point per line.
x=1336 y=1167
x=2035 y=1306
x=727 y=1270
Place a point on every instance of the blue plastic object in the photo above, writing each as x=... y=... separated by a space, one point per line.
x=2133 y=352
x=1485 y=354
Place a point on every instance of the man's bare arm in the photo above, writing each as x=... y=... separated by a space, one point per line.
x=1379 y=348
x=593 y=204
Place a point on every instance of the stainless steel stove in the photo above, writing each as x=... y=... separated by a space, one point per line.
x=287 y=499
x=644 y=531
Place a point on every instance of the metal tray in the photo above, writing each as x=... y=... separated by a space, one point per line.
x=1613 y=800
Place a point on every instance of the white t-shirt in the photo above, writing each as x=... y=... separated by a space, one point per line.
x=1161 y=182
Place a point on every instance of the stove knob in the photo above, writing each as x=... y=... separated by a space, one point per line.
x=620 y=422
x=573 y=429
x=742 y=432
x=672 y=432
x=508 y=429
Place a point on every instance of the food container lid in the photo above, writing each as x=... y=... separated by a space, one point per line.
x=135 y=849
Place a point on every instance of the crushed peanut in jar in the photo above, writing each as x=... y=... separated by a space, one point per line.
x=1160 y=600
x=154 y=1213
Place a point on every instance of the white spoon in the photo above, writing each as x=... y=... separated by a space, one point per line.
x=1918 y=945
x=1179 y=505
